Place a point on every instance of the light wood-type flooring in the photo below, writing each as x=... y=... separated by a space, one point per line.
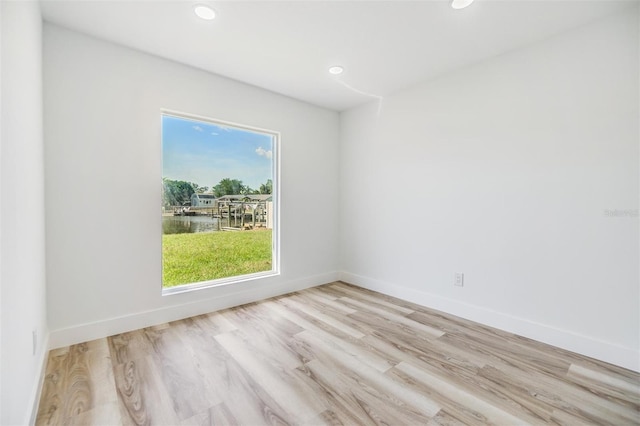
x=334 y=354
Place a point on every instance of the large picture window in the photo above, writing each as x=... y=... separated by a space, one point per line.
x=219 y=202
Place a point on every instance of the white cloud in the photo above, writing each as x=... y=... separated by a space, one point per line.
x=263 y=152
x=214 y=133
x=197 y=128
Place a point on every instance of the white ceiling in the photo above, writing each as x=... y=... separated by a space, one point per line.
x=287 y=46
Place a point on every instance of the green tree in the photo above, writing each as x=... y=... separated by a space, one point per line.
x=229 y=187
x=202 y=189
x=266 y=188
x=176 y=192
x=246 y=190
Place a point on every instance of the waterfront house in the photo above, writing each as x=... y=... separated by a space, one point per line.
x=203 y=200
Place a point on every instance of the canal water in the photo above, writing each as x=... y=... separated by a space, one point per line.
x=189 y=224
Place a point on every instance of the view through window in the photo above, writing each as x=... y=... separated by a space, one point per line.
x=219 y=202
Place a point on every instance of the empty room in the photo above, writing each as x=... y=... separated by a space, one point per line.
x=319 y=212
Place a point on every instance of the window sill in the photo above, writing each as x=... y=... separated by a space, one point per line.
x=185 y=288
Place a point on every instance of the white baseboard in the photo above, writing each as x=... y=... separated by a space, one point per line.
x=100 y=329
x=34 y=399
x=606 y=351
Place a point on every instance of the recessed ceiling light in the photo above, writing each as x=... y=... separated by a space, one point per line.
x=335 y=70
x=460 y=4
x=204 y=12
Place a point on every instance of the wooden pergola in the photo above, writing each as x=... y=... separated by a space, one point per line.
x=241 y=206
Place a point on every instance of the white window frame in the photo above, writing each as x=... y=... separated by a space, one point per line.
x=275 y=195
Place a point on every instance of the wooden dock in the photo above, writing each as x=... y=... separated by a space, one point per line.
x=232 y=216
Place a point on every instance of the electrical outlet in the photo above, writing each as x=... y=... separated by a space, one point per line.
x=34 y=341
x=458 y=280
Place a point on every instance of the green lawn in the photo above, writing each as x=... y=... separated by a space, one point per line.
x=190 y=258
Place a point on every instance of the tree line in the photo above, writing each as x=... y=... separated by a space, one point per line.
x=178 y=192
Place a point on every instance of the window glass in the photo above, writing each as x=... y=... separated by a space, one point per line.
x=219 y=204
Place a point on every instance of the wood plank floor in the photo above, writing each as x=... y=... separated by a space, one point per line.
x=335 y=354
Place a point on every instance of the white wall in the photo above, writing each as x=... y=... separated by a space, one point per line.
x=503 y=171
x=103 y=174
x=22 y=273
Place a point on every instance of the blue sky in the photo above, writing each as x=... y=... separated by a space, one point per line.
x=205 y=153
